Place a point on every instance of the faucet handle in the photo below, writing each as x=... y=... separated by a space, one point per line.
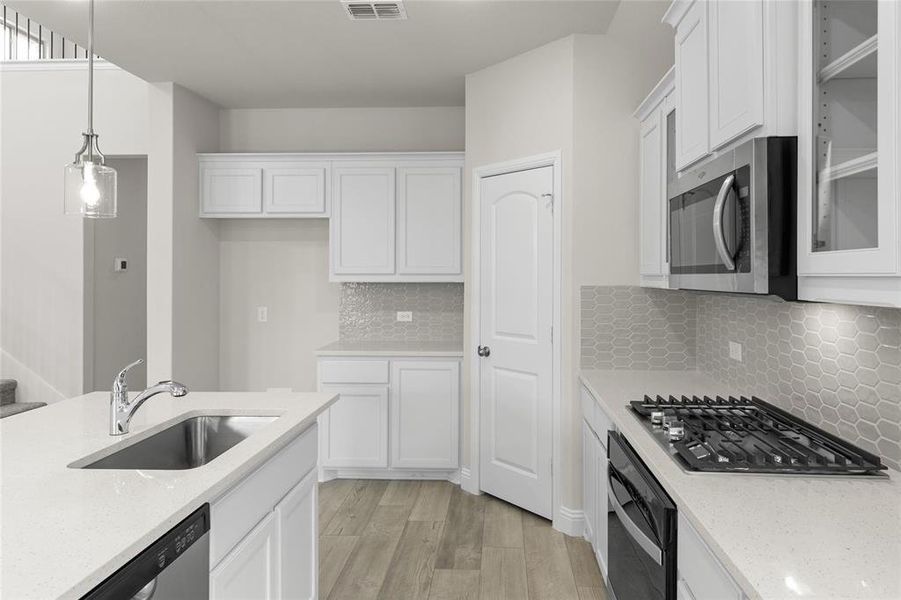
x=119 y=382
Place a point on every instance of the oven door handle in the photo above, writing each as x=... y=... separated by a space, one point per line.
x=646 y=543
x=719 y=236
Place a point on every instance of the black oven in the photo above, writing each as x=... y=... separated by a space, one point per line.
x=641 y=528
x=732 y=221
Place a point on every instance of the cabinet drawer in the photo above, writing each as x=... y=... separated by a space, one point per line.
x=595 y=416
x=247 y=503
x=699 y=570
x=353 y=371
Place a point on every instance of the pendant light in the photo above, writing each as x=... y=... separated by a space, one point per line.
x=90 y=185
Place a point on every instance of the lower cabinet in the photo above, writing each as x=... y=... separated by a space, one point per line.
x=392 y=414
x=594 y=476
x=277 y=557
x=700 y=574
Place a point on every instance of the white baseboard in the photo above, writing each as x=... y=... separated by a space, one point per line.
x=327 y=474
x=569 y=521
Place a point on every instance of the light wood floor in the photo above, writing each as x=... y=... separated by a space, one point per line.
x=429 y=540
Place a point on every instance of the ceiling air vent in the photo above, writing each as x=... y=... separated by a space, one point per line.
x=374 y=11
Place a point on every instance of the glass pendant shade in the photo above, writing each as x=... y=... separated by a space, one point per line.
x=90 y=189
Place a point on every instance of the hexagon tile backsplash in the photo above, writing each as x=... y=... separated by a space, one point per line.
x=368 y=311
x=837 y=366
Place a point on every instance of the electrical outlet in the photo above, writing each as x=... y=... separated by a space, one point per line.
x=262 y=314
x=404 y=316
x=735 y=351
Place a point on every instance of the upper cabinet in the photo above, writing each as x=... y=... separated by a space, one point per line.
x=848 y=152
x=397 y=221
x=263 y=186
x=735 y=73
x=656 y=167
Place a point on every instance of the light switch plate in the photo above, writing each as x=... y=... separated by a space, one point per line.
x=735 y=351
x=262 y=314
x=404 y=316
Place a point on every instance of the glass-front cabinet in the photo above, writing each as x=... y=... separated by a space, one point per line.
x=848 y=183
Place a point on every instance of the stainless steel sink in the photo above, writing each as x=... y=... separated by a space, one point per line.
x=187 y=444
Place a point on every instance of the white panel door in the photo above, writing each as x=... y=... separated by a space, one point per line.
x=652 y=195
x=362 y=221
x=425 y=400
x=297 y=190
x=353 y=432
x=230 y=190
x=736 y=69
x=692 y=121
x=516 y=315
x=298 y=535
x=429 y=221
x=251 y=570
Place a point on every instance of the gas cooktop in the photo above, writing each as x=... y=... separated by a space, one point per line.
x=742 y=435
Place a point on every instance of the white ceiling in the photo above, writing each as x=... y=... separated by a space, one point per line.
x=307 y=53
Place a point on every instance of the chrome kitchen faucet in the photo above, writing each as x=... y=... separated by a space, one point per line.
x=121 y=410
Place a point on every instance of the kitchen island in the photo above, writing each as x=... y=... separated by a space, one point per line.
x=65 y=529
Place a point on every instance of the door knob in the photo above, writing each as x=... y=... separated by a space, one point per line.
x=484 y=351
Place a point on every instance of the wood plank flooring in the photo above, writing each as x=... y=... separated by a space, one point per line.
x=430 y=540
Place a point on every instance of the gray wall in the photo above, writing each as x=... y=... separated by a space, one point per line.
x=837 y=366
x=120 y=298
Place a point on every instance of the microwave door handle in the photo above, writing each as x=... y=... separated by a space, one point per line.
x=632 y=529
x=719 y=236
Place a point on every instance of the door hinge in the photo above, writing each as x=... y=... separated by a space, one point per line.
x=552 y=335
x=550 y=201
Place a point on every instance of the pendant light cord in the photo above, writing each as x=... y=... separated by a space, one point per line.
x=91 y=69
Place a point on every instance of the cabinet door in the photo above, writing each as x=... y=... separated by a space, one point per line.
x=429 y=221
x=691 y=86
x=251 y=570
x=353 y=432
x=297 y=190
x=652 y=195
x=362 y=221
x=589 y=485
x=298 y=535
x=425 y=401
x=227 y=190
x=736 y=69
x=602 y=506
x=699 y=571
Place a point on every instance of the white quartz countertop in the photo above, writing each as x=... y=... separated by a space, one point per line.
x=64 y=530
x=780 y=536
x=380 y=348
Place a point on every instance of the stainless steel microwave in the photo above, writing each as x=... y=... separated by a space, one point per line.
x=732 y=221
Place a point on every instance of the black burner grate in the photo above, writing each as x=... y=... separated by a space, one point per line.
x=753 y=436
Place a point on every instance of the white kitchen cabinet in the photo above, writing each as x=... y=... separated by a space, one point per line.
x=692 y=86
x=298 y=531
x=736 y=68
x=595 y=427
x=354 y=430
x=396 y=417
x=251 y=569
x=425 y=402
x=230 y=189
x=296 y=189
x=700 y=576
x=849 y=149
x=655 y=154
x=589 y=483
x=264 y=539
x=735 y=74
x=256 y=186
x=429 y=221
x=362 y=234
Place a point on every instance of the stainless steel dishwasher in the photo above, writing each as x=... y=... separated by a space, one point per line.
x=175 y=567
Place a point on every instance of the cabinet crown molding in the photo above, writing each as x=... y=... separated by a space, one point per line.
x=676 y=11
x=666 y=85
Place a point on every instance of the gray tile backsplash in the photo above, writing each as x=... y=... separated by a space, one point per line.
x=368 y=311
x=625 y=327
x=836 y=366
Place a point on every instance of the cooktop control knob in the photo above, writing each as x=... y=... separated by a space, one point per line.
x=676 y=430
